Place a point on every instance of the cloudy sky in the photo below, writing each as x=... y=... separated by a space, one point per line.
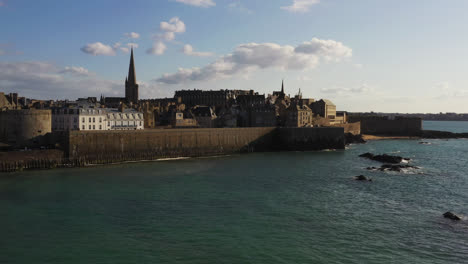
x=365 y=55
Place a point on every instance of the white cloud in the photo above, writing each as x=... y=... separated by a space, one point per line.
x=43 y=80
x=328 y=49
x=188 y=50
x=175 y=25
x=362 y=89
x=158 y=48
x=79 y=71
x=132 y=35
x=200 y=3
x=99 y=48
x=249 y=57
x=300 y=6
x=239 y=7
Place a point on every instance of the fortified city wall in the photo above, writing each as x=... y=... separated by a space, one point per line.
x=160 y=143
x=353 y=128
x=25 y=127
x=81 y=148
x=383 y=126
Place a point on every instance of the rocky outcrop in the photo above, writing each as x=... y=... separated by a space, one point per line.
x=354 y=139
x=442 y=134
x=393 y=167
x=362 y=178
x=384 y=158
x=425 y=143
x=452 y=216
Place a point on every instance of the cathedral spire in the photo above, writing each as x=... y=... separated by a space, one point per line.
x=282 y=87
x=131 y=86
x=131 y=70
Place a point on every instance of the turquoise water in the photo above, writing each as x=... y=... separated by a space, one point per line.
x=291 y=207
x=451 y=126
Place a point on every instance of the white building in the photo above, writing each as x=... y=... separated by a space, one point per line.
x=91 y=118
x=127 y=119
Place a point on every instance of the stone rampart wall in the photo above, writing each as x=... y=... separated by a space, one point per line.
x=103 y=147
x=161 y=143
x=157 y=143
x=25 y=127
x=381 y=126
x=353 y=128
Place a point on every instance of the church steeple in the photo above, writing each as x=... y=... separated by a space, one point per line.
x=282 y=86
x=131 y=70
x=131 y=86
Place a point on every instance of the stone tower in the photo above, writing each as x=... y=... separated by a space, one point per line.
x=131 y=87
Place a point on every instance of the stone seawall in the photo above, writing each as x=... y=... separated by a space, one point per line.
x=161 y=143
x=384 y=126
x=82 y=148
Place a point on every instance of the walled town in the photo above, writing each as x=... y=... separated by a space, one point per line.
x=111 y=129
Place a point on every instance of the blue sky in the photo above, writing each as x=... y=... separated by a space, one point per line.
x=365 y=55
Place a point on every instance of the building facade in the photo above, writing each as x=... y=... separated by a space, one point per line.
x=299 y=116
x=96 y=119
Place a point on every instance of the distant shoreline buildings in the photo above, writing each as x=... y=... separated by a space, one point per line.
x=187 y=109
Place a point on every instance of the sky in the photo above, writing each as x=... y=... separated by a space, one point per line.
x=364 y=55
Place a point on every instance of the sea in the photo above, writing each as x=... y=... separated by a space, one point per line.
x=285 y=207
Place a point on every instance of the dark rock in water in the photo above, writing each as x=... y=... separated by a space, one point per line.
x=362 y=178
x=367 y=155
x=388 y=158
x=452 y=216
x=384 y=158
x=356 y=139
x=396 y=167
x=372 y=168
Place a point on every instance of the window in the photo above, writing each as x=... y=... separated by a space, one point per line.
x=94 y=120
x=94 y=127
x=100 y=119
x=100 y=127
x=75 y=119
x=83 y=119
x=84 y=127
x=90 y=119
x=89 y=126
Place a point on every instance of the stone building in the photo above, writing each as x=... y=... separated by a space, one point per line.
x=205 y=116
x=262 y=116
x=325 y=108
x=9 y=102
x=124 y=119
x=199 y=97
x=250 y=99
x=299 y=116
x=341 y=117
x=182 y=119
